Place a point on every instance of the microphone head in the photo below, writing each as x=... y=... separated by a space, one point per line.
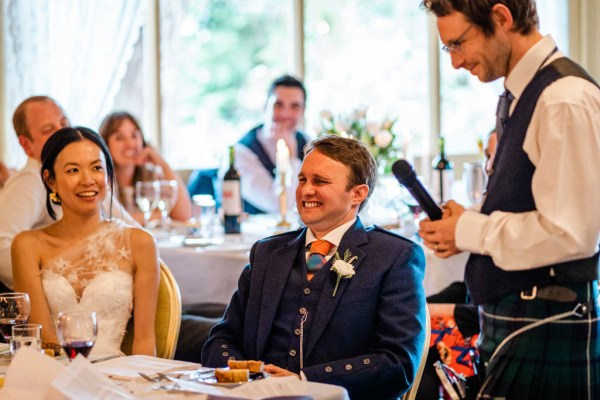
x=404 y=172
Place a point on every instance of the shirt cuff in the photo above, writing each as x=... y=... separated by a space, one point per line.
x=303 y=377
x=469 y=231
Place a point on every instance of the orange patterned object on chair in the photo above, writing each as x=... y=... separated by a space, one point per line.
x=456 y=351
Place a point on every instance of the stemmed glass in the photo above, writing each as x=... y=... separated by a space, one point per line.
x=167 y=199
x=147 y=196
x=77 y=332
x=14 y=310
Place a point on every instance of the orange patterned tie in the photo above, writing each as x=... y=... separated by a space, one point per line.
x=316 y=258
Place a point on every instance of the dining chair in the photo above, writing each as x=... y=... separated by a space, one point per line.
x=412 y=392
x=168 y=317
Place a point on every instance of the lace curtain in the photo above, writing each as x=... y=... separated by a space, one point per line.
x=75 y=51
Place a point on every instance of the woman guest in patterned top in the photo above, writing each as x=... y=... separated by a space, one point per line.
x=130 y=152
x=84 y=261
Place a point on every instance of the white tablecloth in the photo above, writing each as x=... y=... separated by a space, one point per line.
x=210 y=274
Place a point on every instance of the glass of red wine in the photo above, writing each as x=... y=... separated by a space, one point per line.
x=14 y=310
x=77 y=332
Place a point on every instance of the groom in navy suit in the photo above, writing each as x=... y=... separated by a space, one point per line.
x=358 y=320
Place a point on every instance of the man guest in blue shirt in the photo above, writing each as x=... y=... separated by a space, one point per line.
x=353 y=315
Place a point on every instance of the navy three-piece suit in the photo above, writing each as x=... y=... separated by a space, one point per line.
x=367 y=338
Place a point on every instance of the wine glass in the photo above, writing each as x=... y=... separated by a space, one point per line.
x=474 y=178
x=77 y=332
x=14 y=310
x=167 y=199
x=146 y=197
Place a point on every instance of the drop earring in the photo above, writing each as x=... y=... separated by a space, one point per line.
x=54 y=197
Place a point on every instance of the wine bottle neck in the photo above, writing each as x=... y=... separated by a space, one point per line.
x=231 y=157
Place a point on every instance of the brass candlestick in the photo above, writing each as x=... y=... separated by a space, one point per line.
x=282 y=193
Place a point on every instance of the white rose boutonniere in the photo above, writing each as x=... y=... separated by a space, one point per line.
x=343 y=268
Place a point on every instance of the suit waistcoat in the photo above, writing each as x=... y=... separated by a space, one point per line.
x=509 y=189
x=250 y=140
x=300 y=297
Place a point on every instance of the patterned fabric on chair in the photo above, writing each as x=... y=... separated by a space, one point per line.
x=168 y=317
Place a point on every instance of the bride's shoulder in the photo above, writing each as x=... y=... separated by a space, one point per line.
x=141 y=237
x=35 y=237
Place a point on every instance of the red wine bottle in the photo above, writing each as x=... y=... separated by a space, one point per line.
x=232 y=196
x=443 y=175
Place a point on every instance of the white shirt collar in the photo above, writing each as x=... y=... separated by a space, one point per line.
x=334 y=237
x=529 y=64
x=32 y=163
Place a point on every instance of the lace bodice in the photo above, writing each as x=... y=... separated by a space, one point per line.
x=95 y=275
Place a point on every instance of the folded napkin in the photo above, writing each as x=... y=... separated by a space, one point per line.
x=127 y=368
x=30 y=376
x=33 y=375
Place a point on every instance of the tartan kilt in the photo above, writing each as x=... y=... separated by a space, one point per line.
x=557 y=360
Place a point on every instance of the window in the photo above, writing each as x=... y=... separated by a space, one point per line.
x=370 y=56
x=218 y=57
x=217 y=61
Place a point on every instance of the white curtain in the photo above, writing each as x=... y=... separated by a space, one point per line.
x=75 y=51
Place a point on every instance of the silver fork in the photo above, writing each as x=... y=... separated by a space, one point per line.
x=158 y=378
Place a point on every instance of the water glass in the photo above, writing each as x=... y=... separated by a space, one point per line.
x=167 y=199
x=205 y=209
x=147 y=195
x=25 y=335
x=77 y=332
x=14 y=310
x=474 y=178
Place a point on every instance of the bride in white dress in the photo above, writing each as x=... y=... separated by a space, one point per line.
x=84 y=261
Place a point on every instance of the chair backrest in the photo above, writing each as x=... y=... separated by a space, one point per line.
x=205 y=181
x=412 y=392
x=168 y=317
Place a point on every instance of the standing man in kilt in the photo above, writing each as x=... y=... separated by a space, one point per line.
x=533 y=268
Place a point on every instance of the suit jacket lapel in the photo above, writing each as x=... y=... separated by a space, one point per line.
x=275 y=279
x=355 y=236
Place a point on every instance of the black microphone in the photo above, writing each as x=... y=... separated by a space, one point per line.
x=405 y=174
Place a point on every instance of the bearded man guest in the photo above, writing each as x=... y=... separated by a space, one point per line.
x=533 y=268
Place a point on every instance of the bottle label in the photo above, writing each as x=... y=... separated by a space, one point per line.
x=232 y=198
x=441 y=185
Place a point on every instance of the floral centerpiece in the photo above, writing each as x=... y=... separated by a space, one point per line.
x=380 y=137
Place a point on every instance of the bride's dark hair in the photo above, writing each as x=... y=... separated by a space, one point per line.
x=61 y=139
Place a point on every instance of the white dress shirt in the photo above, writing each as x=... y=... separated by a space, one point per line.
x=257 y=185
x=563 y=143
x=23 y=207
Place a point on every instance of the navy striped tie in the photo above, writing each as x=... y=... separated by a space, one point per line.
x=502 y=112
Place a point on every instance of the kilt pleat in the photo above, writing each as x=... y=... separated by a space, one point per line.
x=557 y=360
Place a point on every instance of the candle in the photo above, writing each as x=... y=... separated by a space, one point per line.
x=282 y=157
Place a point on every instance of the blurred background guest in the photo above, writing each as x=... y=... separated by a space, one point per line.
x=135 y=160
x=255 y=152
x=84 y=261
x=23 y=197
x=4 y=174
x=489 y=152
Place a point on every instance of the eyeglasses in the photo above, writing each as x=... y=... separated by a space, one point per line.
x=455 y=46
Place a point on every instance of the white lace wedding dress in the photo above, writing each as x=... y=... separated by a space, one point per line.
x=95 y=275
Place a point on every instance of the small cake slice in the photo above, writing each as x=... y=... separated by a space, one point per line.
x=252 y=365
x=232 y=375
